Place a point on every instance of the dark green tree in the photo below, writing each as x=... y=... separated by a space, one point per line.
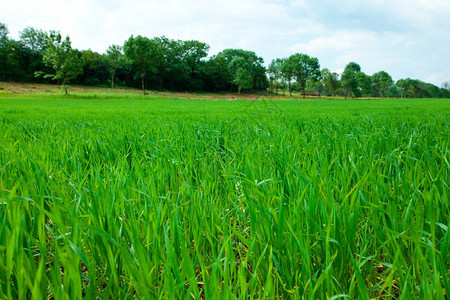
x=192 y=54
x=144 y=54
x=4 y=51
x=95 y=69
x=172 y=71
x=219 y=73
x=33 y=42
x=248 y=60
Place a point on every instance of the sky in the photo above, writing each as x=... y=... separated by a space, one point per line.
x=406 y=38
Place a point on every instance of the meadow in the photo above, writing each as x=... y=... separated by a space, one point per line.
x=156 y=197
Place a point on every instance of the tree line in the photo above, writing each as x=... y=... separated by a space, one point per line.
x=161 y=63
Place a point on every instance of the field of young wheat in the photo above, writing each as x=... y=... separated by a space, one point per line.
x=224 y=199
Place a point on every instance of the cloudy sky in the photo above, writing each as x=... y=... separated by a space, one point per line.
x=406 y=38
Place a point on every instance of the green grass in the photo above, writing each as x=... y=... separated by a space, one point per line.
x=162 y=198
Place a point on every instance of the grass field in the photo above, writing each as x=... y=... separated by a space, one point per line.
x=155 y=197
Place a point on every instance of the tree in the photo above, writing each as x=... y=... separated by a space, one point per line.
x=34 y=39
x=287 y=71
x=219 y=72
x=144 y=54
x=193 y=52
x=95 y=69
x=349 y=80
x=3 y=51
x=331 y=81
x=59 y=55
x=304 y=68
x=240 y=68
x=315 y=87
x=243 y=79
x=275 y=73
x=364 y=83
x=381 y=82
x=402 y=85
x=114 y=58
x=248 y=60
x=33 y=42
x=171 y=68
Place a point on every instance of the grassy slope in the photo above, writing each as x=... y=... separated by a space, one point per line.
x=152 y=196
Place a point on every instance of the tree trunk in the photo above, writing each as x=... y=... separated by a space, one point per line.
x=112 y=78
x=303 y=90
x=143 y=85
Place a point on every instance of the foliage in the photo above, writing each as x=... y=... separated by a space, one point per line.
x=413 y=88
x=349 y=79
x=364 y=84
x=287 y=71
x=161 y=63
x=114 y=59
x=34 y=39
x=243 y=79
x=331 y=80
x=59 y=55
x=304 y=68
x=381 y=82
x=144 y=54
x=248 y=60
x=4 y=51
x=275 y=73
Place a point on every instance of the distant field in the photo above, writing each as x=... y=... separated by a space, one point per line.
x=151 y=196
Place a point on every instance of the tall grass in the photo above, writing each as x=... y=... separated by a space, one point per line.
x=196 y=199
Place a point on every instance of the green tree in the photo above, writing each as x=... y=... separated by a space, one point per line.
x=114 y=59
x=402 y=85
x=381 y=82
x=349 y=79
x=171 y=68
x=219 y=72
x=144 y=54
x=33 y=42
x=331 y=81
x=364 y=83
x=59 y=55
x=243 y=79
x=95 y=69
x=248 y=60
x=192 y=54
x=287 y=71
x=275 y=73
x=4 y=51
x=305 y=68
x=34 y=39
